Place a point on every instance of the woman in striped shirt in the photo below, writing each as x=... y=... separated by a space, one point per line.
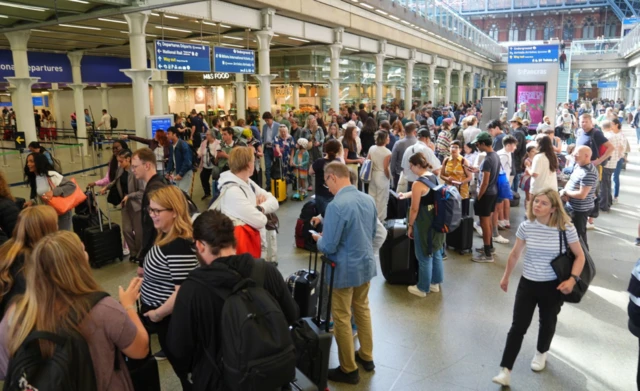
x=539 y=235
x=168 y=262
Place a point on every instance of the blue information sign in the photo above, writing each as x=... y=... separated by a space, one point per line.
x=185 y=57
x=230 y=60
x=607 y=84
x=533 y=54
x=37 y=101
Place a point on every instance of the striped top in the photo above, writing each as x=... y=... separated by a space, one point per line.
x=164 y=268
x=583 y=176
x=542 y=247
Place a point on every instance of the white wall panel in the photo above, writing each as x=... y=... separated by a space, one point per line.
x=287 y=26
x=318 y=33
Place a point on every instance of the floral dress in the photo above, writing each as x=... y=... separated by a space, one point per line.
x=286 y=146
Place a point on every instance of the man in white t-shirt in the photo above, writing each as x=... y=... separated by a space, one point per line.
x=105 y=121
x=503 y=207
x=421 y=146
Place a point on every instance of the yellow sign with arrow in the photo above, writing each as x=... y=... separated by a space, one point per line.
x=20 y=141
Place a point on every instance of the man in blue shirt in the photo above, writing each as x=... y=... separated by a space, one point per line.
x=347 y=239
x=446 y=113
x=269 y=132
x=180 y=161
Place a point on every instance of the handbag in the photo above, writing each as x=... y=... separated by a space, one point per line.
x=366 y=171
x=504 y=189
x=563 y=263
x=273 y=222
x=63 y=205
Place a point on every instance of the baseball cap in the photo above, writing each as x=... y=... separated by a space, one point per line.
x=482 y=136
x=424 y=132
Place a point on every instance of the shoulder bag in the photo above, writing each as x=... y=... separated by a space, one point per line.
x=563 y=264
x=366 y=172
x=63 y=205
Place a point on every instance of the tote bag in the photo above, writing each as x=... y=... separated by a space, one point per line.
x=366 y=171
x=563 y=264
x=504 y=189
x=63 y=205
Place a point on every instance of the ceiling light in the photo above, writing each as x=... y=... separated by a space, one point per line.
x=4 y=16
x=174 y=29
x=171 y=17
x=208 y=23
x=355 y=1
x=382 y=12
x=154 y=14
x=299 y=39
x=232 y=45
x=231 y=37
x=367 y=6
x=40 y=31
x=79 y=27
x=79 y=1
x=276 y=35
x=394 y=17
x=198 y=41
x=225 y=26
x=24 y=7
x=112 y=20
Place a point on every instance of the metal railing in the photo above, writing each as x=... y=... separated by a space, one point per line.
x=594 y=46
x=630 y=43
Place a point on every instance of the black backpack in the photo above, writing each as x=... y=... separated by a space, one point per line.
x=70 y=367
x=256 y=351
x=113 y=123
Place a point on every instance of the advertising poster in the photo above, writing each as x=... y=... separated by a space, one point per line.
x=533 y=94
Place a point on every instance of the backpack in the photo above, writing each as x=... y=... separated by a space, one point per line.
x=303 y=237
x=113 y=122
x=191 y=206
x=382 y=115
x=257 y=351
x=448 y=206
x=70 y=367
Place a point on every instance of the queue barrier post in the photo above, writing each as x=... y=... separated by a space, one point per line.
x=93 y=159
x=84 y=173
x=71 y=153
x=4 y=160
x=20 y=151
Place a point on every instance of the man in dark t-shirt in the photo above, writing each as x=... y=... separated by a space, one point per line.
x=601 y=147
x=487 y=194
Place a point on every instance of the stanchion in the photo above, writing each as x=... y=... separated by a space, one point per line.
x=53 y=147
x=4 y=160
x=100 y=162
x=93 y=159
x=84 y=173
x=22 y=164
x=71 y=154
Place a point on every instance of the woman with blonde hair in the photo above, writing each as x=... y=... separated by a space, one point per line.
x=32 y=225
x=62 y=297
x=539 y=237
x=168 y=262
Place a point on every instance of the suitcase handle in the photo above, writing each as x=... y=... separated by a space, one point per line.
x=332 y=265
x=100 y=213
x=315 y=265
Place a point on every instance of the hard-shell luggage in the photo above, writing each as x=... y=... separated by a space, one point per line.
x=515 y=201
x=279 y=189
x=83 y=222
x=397 y=208
x=303 y=286
x=313 y=339
x=103 y=243
x=398 y=256
x=302 y=383
x=461 y=239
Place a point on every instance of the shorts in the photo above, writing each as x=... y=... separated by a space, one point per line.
x=485 y=205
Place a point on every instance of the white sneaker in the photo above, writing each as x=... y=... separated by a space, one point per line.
x=434 y=288
x=591 y=225
x=500 y=239
x=539 y=361
x=505 y=223
x=414 y=290
x=478 y=228
x=503 y=378
x=125 y=251
x=615 y=200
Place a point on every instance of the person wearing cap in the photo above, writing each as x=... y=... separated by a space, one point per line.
x=523 y=113
x=269 y=132
x=300 y=164
x=207 y=155
x=487 y=194
x=568 y=123
x=422 y=146
x=446 y=113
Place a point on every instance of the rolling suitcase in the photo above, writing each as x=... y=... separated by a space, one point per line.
x=461 y=239
x=396 y=208
x=313 y=339
x=303 y=286
x=279 y=189
x=398 y=256
x=302 y=383
x=103 y=243
x=82 y=222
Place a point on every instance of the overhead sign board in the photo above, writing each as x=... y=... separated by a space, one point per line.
x=185 y=57
x=533 y=54
x=607 y=84
x=234 y=60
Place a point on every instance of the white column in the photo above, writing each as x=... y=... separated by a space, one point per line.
x=379 y=78
x=447 y=86
x=408 y=82
x=296 y=97
x=334 y=75
x=461 y=86
x=54 y=94
x=75 y=58
x=632 y=84
x=21 y=97
x=104 y=97
x=432 y=83
x=241 y=99
x=264 y=75
x=165 y=94
x=479 y=89
x=139 y=73
x=636 y=95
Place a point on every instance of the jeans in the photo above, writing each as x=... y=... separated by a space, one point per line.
x=638 y=134
x=268 y=161
x=342 y=302
x=514 y=183
x=580 y=222
x=205 y=175
x=530 y=294
x=185 y=183
x=616 y=178
x=430 y=269
x=64 y=221
x=605 y=189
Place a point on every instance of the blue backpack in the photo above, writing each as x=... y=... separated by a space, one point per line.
x=448 y=206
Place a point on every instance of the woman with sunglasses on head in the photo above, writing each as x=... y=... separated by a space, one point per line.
x=167 y=264
x=539 y=238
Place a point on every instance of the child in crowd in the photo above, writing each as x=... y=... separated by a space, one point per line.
x=300 y=163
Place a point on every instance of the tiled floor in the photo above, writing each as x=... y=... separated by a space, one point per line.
x=453 y=340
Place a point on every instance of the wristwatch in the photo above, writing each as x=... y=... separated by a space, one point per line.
x=577 y=278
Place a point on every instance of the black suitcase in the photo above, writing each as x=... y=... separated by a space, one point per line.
x=313 y=339
x=461 y=239
x=82 y=222
x=103 y=243
x=397 y=208
x=398 y=256
x=302 y=383
x=303 y=286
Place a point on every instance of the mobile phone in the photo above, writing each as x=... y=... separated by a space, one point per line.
x=312 y=232
x=393 y=193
